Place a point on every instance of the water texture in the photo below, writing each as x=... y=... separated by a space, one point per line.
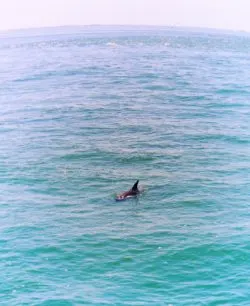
x=83 y=116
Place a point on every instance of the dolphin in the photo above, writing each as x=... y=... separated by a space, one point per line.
x=133 y=192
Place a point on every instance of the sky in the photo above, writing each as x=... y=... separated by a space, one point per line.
x=220 y=14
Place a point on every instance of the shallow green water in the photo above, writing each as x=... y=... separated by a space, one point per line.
x=83 y=117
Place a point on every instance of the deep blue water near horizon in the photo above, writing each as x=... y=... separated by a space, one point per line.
x=85 y=115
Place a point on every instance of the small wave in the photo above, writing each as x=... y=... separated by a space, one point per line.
x=78 y=156
x=112 y=44
x=232 y=91
x=136 y=159
x=49 y=74
x=157 y=87
x=226 y=138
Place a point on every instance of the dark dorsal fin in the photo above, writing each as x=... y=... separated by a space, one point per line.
x=135 y=188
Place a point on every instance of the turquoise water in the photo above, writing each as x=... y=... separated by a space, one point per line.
x=85 y=115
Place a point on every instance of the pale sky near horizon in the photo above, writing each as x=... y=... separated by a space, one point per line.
x=221 y=14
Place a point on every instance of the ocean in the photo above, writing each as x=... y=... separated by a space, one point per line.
x=83 y=115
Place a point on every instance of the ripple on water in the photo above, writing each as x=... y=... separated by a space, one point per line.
x=85 y=115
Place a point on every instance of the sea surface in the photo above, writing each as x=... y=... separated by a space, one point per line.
x=82 y=117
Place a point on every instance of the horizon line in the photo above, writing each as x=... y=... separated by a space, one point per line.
x=119 y=25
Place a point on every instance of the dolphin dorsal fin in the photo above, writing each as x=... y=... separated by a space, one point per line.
x=135 y=188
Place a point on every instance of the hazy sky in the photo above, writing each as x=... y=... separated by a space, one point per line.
x=226 y=14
